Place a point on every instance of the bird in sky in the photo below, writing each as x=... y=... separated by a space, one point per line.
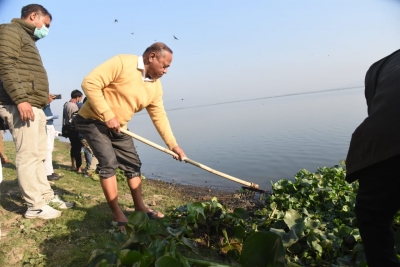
x=116 y=20
x=132 y=32
x=175 y=37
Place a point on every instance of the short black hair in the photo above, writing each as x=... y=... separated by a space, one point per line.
x=76 y=93
x=29 y=9
x=157 y=48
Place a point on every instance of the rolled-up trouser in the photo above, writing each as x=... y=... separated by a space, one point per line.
x=112 y=150
x=378 y=200
x=30 y=141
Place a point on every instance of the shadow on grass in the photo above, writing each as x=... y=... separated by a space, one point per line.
x=65 y=241
x=61 y=166
x=78 y=237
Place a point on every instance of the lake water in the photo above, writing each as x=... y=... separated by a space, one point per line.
x=257 y=141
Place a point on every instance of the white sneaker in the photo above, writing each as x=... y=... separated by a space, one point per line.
x=57 y=202
x=45 y=212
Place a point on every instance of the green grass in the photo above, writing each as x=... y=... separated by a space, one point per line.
x=70 y=239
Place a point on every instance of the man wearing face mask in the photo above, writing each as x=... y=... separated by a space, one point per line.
x=24 y=90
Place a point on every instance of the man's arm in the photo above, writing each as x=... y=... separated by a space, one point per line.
x=159 y=117
x=97 y=80
x=10 y=49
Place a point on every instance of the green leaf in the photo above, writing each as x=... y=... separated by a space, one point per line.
x=167 y=261
x=344 y=230
x=294 y=221
x=295 y=248
x=137 y=238
x=193 y=210
x=239 y=232
x=189 y=243
x=157 y=247
x=288 y=239
x=280 y=224
x=263 y=249
x=112 y=246
x=175 y=232
x=99 y=255
x=311 y=224
x=121 y=238
x=292 y=217
x=241 y=213
x=138 y=219
x=313 y=242
x=182 y=259
x=130 y=257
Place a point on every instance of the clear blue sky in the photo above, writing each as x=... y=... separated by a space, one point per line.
x=227 y=50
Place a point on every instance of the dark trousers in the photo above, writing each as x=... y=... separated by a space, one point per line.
x=378 y=200
x=112 y=150
x=76 y=147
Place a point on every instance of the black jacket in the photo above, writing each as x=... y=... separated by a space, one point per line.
x=378 y=136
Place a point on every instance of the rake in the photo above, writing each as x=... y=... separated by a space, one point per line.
x=247 y=185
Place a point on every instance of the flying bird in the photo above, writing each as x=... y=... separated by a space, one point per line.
x=175 y=37
x=116 y=20
x=132 y=33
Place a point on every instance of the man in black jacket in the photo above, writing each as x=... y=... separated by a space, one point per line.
x=373 y=159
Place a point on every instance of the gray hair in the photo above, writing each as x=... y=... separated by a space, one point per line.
x=157 y=48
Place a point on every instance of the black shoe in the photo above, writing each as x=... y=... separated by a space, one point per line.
x=52 y=177
x=57 y=175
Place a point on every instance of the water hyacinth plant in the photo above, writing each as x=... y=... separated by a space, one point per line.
x=306 y=222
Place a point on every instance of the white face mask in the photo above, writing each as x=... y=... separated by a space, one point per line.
x=42 y=32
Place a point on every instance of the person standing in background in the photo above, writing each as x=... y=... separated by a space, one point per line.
x=3 y=156
x=51 y=134
x=70 y=108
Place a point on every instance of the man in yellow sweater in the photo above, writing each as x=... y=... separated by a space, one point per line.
x=115 y=91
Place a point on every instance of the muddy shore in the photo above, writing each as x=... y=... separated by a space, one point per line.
x=190 y=193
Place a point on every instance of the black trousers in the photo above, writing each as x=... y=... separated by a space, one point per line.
x=76 y=147
x=378 y=200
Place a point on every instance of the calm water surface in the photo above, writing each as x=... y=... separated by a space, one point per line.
x=258 y=141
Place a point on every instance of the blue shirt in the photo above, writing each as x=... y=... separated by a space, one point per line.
x=47 y=112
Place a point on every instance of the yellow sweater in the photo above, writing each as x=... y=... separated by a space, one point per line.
x=116 y=89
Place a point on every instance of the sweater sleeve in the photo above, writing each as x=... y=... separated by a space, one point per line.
x=159 y=117
x=10 y=49
x=97 y=80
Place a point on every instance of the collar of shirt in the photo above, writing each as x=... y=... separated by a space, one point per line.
x=140 y=66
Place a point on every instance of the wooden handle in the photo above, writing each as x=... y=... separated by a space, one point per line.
x=195 y=163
